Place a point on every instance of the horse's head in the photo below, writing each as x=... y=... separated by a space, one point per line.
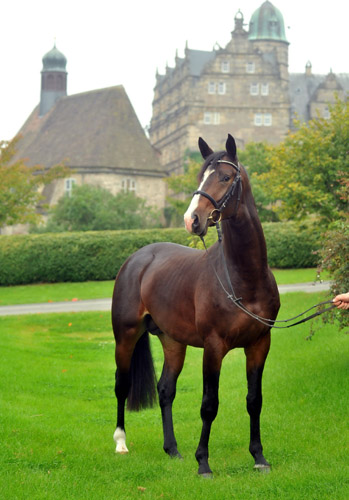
x=219 y=191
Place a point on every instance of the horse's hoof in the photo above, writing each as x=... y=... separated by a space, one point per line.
x=263 y=468
x=176 y=455
x=206 y=475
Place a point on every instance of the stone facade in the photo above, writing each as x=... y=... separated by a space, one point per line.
x=244 y=89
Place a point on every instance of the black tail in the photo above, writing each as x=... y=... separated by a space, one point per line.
x=142 y=393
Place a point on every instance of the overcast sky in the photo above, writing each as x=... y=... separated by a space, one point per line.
x=111 y=42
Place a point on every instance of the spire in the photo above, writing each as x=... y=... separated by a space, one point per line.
x=53 y=79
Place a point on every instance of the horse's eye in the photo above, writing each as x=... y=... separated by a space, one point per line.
x=226 y=178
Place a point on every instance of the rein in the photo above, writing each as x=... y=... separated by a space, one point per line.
x=237 y=301
x=216 y=217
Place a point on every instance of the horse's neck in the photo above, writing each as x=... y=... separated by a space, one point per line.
x=244 y=245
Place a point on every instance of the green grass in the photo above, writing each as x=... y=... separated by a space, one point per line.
x=58 y=416
x=57 y=292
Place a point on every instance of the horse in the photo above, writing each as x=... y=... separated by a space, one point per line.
x=179 y=294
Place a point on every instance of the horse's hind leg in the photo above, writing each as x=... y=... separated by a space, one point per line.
x=123 y=356
x=255 y=359
x=174 y=354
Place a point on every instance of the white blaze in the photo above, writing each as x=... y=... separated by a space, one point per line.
x=188 y=219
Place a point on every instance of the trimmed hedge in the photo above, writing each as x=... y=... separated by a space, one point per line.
x=98 y=255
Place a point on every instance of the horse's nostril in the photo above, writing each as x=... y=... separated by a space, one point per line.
x=195 y=221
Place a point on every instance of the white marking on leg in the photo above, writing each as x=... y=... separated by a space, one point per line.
x=120 y=440
x=188 y=219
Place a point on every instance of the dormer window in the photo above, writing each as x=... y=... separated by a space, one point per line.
x=225 y=66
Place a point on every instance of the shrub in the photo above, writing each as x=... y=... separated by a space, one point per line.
x=82 y=256
x=98 y=255
x=335 y=258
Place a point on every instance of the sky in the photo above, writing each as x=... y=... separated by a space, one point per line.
x=113 y=42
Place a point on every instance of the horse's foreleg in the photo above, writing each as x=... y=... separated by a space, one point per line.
x=211 y=370
x=255 y=359
x=174 y=358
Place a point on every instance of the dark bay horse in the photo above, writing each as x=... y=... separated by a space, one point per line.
x=178 y=293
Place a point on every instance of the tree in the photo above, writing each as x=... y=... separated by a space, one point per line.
x=308 y=166
x=183 y=186
x=92 y=208
x=20 y=184
x=255 y=158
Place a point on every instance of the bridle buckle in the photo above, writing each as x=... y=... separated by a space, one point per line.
x=215 y=216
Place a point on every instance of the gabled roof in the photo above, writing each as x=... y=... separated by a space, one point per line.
x=91 y=130
x=303 y=88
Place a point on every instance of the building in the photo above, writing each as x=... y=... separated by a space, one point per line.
x=97 y=134
x=244 y=88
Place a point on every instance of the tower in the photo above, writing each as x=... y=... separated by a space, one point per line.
x=53 y=79
x=267 y=34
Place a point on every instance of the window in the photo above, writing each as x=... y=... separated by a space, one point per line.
x=263 y=119
x=258 y=119
x=128 y=185
x=207 y=118
x=327 y=113
x=216 y=118
x=221 y=88
x=225 y=66
x=267 y=120
x=212 y=118
x=250 y=68
x=254 y=89
x=212 y=88
x=265 y=89
x=68 y=186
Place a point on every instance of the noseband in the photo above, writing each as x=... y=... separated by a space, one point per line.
x=219 y=206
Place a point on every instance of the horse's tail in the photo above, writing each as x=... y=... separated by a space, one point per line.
x=142 y=392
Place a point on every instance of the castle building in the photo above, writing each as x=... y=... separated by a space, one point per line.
x=97 y=134
x=244 y=88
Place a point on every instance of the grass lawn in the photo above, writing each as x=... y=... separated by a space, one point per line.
x=57 y=292
x=58 y=416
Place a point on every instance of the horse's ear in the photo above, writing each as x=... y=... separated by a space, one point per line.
x=230 y=147
x=205 y=149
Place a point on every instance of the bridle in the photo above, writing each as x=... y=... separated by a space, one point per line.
x=219 y=206
x=216 y=217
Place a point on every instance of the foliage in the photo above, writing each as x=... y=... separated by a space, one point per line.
x=309 y=166
x=20 y=186
x=92 y=208
x=80 y=256
x=98 y=255
x=335 y=259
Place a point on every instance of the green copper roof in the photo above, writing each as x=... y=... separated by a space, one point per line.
x=267 y=23
x=54 y=60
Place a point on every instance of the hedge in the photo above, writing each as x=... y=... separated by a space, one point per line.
x=98 y=255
